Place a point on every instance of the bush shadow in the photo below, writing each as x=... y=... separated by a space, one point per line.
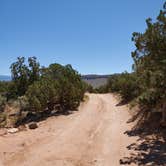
x=150 y=147
x=121 y=103
x=33 y=117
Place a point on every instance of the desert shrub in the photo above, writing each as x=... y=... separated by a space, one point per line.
x=2 y=119
x=113 y=83
x=42 y=95
x=101 y=89
x=58 y=85
x=147 y=84
x=23 y=76
x=148 y=99
x=126 y=84
x=89 y=88
x=2 y=114
x=150 y=61
x=12 y=112
x=4 y=85
x=40 y=90
x=2 y=103
x=71 y=87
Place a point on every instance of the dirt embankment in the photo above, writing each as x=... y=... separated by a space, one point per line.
x=93 y=136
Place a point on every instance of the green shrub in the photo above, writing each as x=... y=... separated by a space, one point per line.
x=2 y=103
x=71 y=87
x=126 y=84
x=2 y=119
x=59 y=85
x=23 y=76
x=42 y=95
x=150 y=62
x=40 y=90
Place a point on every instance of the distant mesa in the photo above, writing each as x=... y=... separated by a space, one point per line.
x=96 y=80
x=5 y=78
x=94 y=76
x=92 y=79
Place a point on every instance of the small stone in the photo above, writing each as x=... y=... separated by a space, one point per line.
x=33 y=125
x=12 y=130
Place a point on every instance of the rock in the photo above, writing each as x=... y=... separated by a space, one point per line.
x=13 y=130
x=33 y=125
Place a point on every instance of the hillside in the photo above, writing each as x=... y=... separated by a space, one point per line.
x=96 y=80
x=5 y=78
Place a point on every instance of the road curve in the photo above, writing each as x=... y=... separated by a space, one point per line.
x=93 y=136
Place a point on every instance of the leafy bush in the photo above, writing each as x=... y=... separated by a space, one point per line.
x=89 y=88
x=113 y=83
x=4 y=87
x=150 y=61
x=2 y=103
x=23 y=75
x=2 y=119
x=42 y=95
x=71 y=87
x=147 y=84
x=126 y=84
x=40 y=90
x=59 y=85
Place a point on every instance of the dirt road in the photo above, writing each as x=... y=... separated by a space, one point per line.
x=92 y=136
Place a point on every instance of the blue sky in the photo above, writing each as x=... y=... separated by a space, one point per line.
x=92 y=35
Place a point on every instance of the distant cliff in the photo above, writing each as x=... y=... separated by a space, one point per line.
x=5 y=78
x=96 y=80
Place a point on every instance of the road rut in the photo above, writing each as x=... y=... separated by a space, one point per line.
x=92 y=136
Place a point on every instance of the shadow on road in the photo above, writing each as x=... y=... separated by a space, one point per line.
x=31 y=117
x=150 y=148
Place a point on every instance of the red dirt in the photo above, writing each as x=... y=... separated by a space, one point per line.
x=93 y=136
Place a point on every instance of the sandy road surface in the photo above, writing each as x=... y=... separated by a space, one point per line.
x=93 y=136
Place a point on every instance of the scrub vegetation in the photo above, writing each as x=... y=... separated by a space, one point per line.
x=146 y=85
x=37 y=91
